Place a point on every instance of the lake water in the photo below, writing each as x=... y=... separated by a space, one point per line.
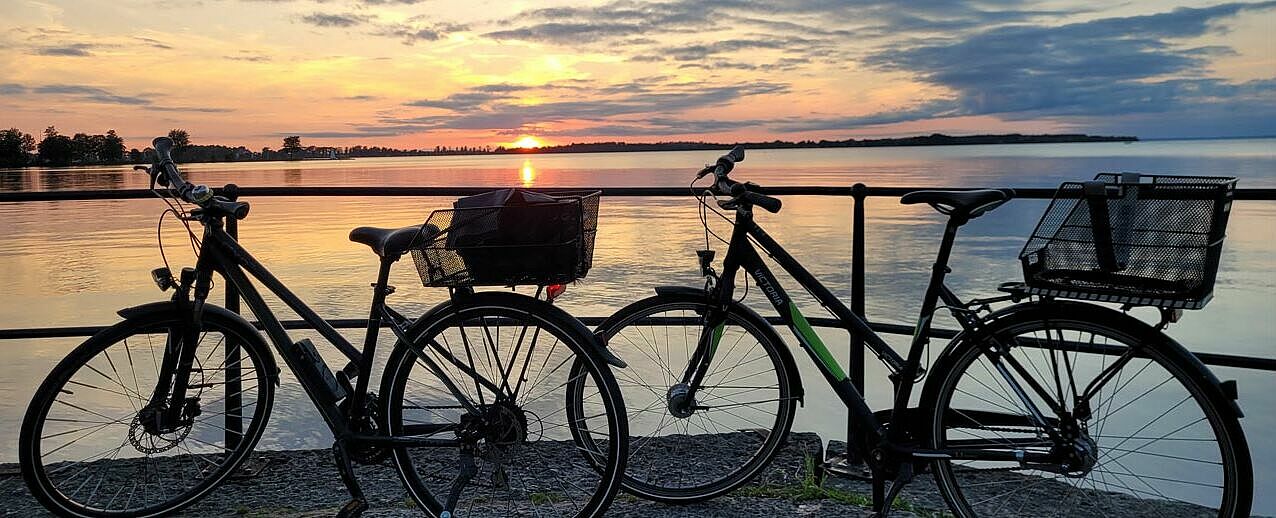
x=75 y=263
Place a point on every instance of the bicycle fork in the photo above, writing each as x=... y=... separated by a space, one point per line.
x=168 y=408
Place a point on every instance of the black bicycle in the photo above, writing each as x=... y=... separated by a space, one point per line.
x=150 y=414
x=1047 y=404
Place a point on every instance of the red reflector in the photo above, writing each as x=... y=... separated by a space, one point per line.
x=554 y=290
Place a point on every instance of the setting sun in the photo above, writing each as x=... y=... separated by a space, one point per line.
x=527 y=142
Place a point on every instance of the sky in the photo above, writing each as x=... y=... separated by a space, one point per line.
x=423 y=73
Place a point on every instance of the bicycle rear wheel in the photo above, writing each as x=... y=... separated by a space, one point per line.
x=517 y=428
x=1155 y=439
x=84 y=449
x=741 y=413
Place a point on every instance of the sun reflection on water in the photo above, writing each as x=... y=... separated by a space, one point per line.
x=529 y=173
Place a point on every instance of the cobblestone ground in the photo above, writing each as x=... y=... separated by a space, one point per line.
x=306 y=483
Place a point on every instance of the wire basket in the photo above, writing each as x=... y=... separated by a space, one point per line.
x=510 y=245
x=1150 y=240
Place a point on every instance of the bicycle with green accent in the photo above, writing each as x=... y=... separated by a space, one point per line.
x=1045 y=405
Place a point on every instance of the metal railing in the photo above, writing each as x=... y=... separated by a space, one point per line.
x=859 y=193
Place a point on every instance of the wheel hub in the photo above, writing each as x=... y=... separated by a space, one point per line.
x=149 y=435
x=1080 y=451
x=681 y=403
x=504 y=424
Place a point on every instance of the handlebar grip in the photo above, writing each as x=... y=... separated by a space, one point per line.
x=163 y=148
x=744 y=192
x=735 y=155
x=771 y=205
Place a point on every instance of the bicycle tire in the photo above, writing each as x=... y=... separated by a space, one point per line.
x=157 y=319
x=574 y=487
x=1182 y=462
x=715 y=462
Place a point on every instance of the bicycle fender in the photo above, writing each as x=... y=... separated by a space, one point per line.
x=786 y=356
x=232 y=319
x=1193 y=365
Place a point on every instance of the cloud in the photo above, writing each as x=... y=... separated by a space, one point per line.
x=359 y=98
x=153 y=43
x=340 y=20
x=250 y=56
x=412 y=33
x=72 y=49
x=98 y=95
x=655 y=96
x=459 y=101
x=91 y=94
x=1108 y=66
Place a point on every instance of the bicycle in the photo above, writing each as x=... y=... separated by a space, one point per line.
x=151 y=414
x=1028 y=406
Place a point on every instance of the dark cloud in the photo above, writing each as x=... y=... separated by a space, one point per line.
x=90 y=93
x=188 y=109
x=479 y=110
x=650 y=127
x=359 y=98
x=71 y=49
x=339 y=20
x=1109 y=66
x=700 y=51
x=250 y=56
x=153 y=43
x=93 y=94
x=460 y=101
x=412 y=33
x=927 y=110
x=620 y=19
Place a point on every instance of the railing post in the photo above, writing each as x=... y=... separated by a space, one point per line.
x=855 y=367
x=234 y=386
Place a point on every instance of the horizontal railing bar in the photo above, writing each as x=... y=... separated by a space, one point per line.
x=124 y=194
x=1215 y=359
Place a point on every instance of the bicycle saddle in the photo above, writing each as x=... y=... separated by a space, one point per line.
x=393 y=241
x=961 y=204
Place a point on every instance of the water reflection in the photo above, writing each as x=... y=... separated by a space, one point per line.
x=528 y=173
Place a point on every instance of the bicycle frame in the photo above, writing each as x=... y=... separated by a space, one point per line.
x=223 y=254
x=741 y=254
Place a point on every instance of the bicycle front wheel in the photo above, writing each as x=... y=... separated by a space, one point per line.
x=85 y=448
x=689 y=451
x=1141 y=430
x=492 y=371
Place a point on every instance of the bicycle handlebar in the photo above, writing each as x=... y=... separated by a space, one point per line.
x=746 y=192
x=165 y=173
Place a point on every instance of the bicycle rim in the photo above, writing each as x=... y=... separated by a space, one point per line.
x=527 y=462
x=1161 y=444
x=84 y=450
x=743 y=410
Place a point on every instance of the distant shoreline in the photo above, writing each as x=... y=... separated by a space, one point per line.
x=935 y=139
x=625 y=147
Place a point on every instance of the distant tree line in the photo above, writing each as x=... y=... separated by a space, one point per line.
x=936 y=139
x=18 y=149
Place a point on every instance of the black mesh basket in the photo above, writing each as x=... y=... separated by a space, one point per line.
x=509 y=245
x=1148 y=240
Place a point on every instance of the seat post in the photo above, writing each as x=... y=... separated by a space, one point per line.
x=904 y=384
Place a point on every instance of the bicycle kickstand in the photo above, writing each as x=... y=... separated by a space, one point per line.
x=882 y=506
x=357 y=504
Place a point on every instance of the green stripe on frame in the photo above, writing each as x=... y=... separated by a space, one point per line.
x=814 y=342
x=717 y=337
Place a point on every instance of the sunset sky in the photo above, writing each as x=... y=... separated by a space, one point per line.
x=421 y=73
